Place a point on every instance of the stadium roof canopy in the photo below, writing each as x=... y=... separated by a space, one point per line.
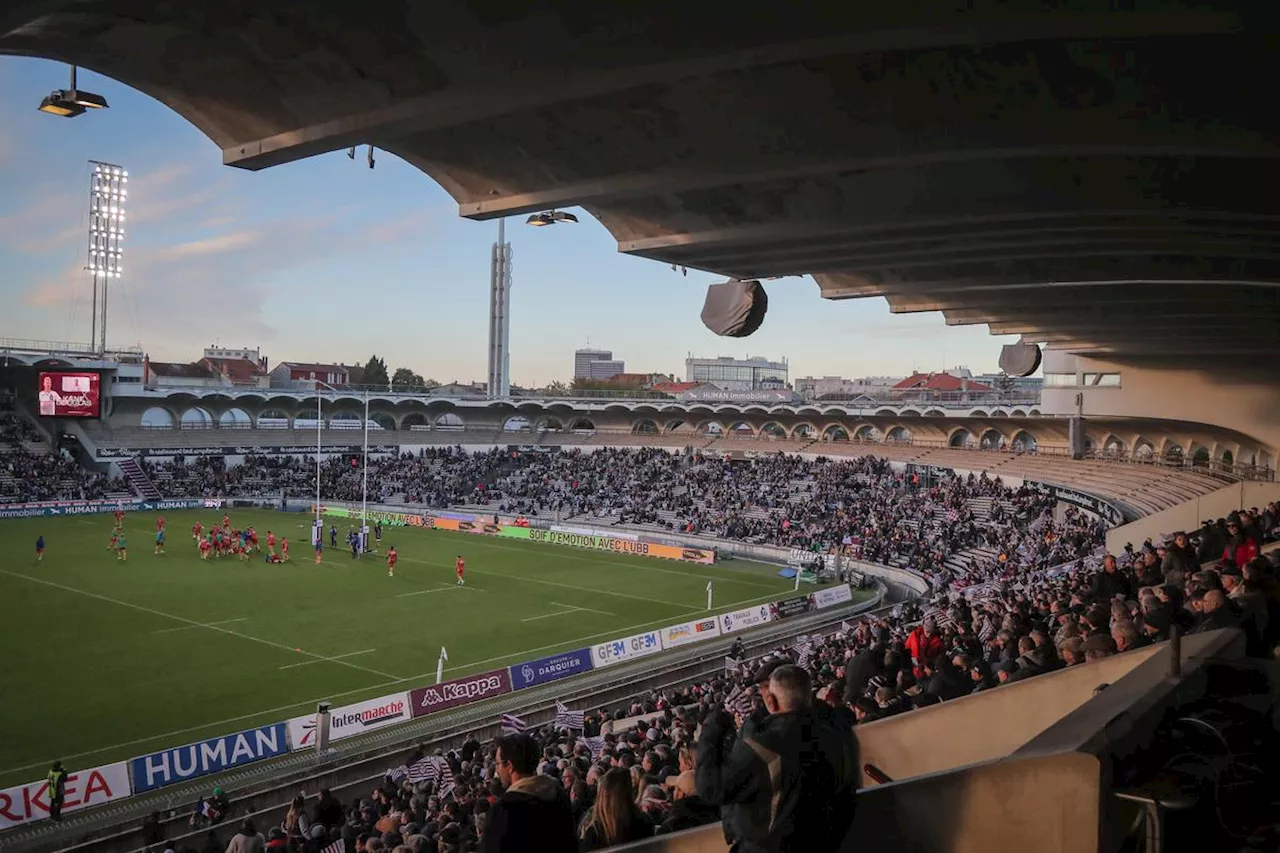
x=1096 y=179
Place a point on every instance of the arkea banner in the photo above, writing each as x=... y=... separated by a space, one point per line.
x=830 y=596
x=84 y=788
x=210 y=756
x=460 y=691
x=752 y=617
x=690 y=632
x=350 y=720
x=795 y=606
x=598 y=542
x=546 y=669
x=627 y=648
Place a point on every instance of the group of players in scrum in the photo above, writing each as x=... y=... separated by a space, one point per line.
x=223 y=541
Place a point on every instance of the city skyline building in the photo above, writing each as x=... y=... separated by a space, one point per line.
x=732 y=374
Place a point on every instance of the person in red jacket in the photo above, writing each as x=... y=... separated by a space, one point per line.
x=1241 y=548
x=924 y=644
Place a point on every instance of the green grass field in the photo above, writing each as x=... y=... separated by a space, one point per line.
x=106 y=660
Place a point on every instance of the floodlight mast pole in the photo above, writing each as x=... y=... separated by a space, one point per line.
x=364 y=490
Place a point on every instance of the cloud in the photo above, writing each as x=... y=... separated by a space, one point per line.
x=231 y=242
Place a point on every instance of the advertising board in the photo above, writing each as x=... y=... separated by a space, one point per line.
x=587 y=531
x=44 y=509
x=1105 y=510
x=351 y=720
x=388 y=519
x=796 y=606
x=460 y=691
x=624 y=546
x=830 y=596
x=68 y=395
x=740 y=620
x=550 y=668
x=246 y=450
x=690 y=632
x=208 y=756
x=84 y=788
x=627 y=648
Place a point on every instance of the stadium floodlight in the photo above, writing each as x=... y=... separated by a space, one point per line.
x=108 y=197
x=550 y=217
x=69 y=103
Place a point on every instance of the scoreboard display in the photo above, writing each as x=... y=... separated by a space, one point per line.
x=64 y=394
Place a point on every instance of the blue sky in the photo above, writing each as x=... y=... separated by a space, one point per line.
x=325 y=260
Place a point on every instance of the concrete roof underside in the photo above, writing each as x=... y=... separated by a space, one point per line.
x=1096 y=180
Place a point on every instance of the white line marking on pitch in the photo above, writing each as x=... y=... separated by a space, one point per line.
x=191 y=622
x=200 y=625
x=549 y=615
x=203 y=727
x=579 y=607
x=333 y=658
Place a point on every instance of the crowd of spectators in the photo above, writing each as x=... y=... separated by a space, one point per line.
x=693 y=755
x=31 y=471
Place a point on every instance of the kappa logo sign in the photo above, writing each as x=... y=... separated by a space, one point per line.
x=438 y=697
x=85 y=788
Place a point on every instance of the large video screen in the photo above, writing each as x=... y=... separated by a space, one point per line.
x=68 y=395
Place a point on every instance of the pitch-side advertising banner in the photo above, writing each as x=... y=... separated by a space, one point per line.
x=830 y=596
x=752 y=617
x=623 y=546
x=628 y=648
x=690 y=632
x=795 y=606
x=210 y=756
x=550 y=668
x=43 y=509
x=388 y=519
x=84 y=788
x=587 y=531
x=460 y=691
x=351 y=720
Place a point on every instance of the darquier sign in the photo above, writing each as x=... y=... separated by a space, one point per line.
x=460 y=691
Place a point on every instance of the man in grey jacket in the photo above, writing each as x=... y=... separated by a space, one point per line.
x=247 y=840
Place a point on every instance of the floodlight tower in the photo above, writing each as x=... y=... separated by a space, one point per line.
x=499 y=379
x=108 y=192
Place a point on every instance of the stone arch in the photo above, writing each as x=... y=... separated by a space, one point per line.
x=999 y=413
x=867 y=432
x=886 y=413
x=672 y=425
x=548 y=423
x=742 y=428
x=1023 y=442
x=834 y=433
x=274 y=419
x=450 y=421
x=235 y=418
x=992 y=439
x=977 y=413
x=960 y=437
x=1173 y=452
x=773 y=429
x=1114 y=446
x=1199 y=456
x=910 y=413
x=1228 y=458
x=1034 y=413
x=381 y=420
x=197 y=417
x=158 y=417
x=1265 y=459
x=415 y=421
x=516 y=423
x=805 y=430
x=1143 y=449
x=644 y=426
x=711 y=428
x=582 y=425
x=1018 y=413
x=899 y=435
x=935 y=413
x=346 y=420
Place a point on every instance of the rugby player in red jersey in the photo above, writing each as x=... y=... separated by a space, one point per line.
x=460 y=566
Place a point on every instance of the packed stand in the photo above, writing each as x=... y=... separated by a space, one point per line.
x=690 y=756
x=31 y=472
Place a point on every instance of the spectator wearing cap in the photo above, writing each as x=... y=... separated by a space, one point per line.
x=789 y=782
x=1252 y=607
